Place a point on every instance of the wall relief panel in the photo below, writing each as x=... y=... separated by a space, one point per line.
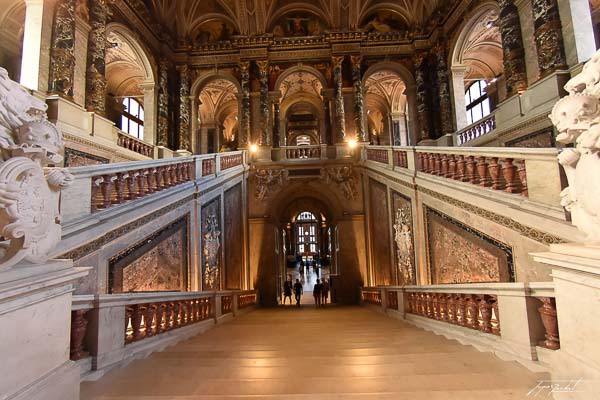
x=76 y=158
x=404 y=253
x=460 y=254
x=234 y=238
x=380 y=234
x=159 y=262
x=211 y=245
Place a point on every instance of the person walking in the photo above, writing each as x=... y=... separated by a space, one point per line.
x=324 y=292
x=298 y=291
x=287 y=291
x=317 y=293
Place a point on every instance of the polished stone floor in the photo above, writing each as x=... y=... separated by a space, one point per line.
x=307 y=353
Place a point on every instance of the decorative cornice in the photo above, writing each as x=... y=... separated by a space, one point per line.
x=76 y=139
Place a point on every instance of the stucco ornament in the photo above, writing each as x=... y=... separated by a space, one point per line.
x=577 y=119
x=212 y=246
x=344 y=177
x=29 y=191
x=266 y=180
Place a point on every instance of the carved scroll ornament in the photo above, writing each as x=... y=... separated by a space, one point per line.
x=577 y=119
x=266 y=180
x=344 y=177
x=29 y=191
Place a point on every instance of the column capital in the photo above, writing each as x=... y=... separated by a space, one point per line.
x=337 y=61
x=458 y=69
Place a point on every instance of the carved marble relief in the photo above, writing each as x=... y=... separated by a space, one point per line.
x=403 y=239
x=211 y=245
x=76 y=158
x=159 y=262
x=267 y=180
x=548 y=36
x=543 y=138
x=62 y=63
x=344 y=177
x=96 y=85
x=512 y=46
x=460 y=254
x=380 y=234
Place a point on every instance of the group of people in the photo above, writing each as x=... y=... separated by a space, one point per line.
x=320 y=292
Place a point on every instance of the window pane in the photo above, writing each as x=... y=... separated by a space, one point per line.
x=141 y=136
x=477 y=113
x=141 y=113
x=486 y=107
x=124 y=123
x=469 y=118
x=125 y=102
x=133 y=128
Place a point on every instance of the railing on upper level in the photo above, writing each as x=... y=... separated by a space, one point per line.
x=134 y=144
x=302 y=152
x=530 y=173
x=476 y=129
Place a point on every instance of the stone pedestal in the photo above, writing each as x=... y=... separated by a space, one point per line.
x=343 y=150
x=35 y=320
x=182 y=153
x=576 y=275
x=263 y=154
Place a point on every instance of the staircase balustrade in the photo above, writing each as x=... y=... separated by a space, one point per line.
x=476 y=129
x=230 y=161
x=302 y=152
x=134 y=144
x=246 y=299
x=372 y=296
x=208 y=167
x=226 y=304
x=377 y=155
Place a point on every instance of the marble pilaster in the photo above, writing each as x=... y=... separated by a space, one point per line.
x=82 y=33
x=163 y=104
x=276 y=123
x=62 y=58
x=422 y=108
x=184 y=108
x=513 y=50
x=548 y=36
x=443 y=89
x=340 y=117
x=359 y=106
x=95 y=99
x=265 y=109
x=244 y=131
x=458 y=89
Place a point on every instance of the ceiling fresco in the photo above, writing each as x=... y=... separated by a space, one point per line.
x=482 y=50
x=216 y=95
x=300 y=82
x=123 y=71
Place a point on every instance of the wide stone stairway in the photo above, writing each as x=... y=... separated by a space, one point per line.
x=304 y=353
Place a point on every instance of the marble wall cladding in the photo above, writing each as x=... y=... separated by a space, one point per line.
x=460 y=254
x=156 y=263
x=544 y=138
x=211 y=245
x=76 y=158
x=404 y=250
x=380 y=234
x=234 y=238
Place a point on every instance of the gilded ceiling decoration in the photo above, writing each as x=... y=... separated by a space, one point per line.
x=123 y=67
x=300 y=82
x=482 y=50
x=214 y=97
x=388 y=86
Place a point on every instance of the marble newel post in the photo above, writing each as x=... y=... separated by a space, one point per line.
x=35 y=290
x=340 y=117
x=163 y=104
x=422 y=109
x=359 y=105
x=265 y=109
x=184 y=111
x=62 y=57
x=95 y=96
x=513 y=49
x=573 y=324
x=444 y=89
x=548 y=36
x=244 y=131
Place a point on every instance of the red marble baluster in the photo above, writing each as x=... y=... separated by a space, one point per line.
x=151 y=180
x=482 y=171
x=523 y=179
x=435 y=305
x=106 y=187
x=496 y=326
x=169 y=316
x=462 y=310
x=130 y=184
x=128 y=314
x=461 y=168
x=473 y=307
x=550 y=321
x=149 y=319
x=431 y=163
x=444 y=162
x=485 y=307
x=452 y=303
x=136 y=321
x=120 y=188
x=451 y=167
x=160 y=315
x=157 y=174
x=438 y=164
x=443 y=302
x=494 y=169
x=471 y=176
x=78 y=330
x=176 y=314
x=509 y=172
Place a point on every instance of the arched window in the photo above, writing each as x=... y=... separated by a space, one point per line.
x=132 y=118
x=306 y=234
x=476 y=99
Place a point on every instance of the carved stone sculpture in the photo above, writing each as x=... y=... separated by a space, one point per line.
x=29 y=192
x=359 y=107
x=404 y=245
x=577 y=119
x=344 y=177
x=422 y=109
x=512 y=47
x=266 y=180
x=548 y=36
x=245 y=114
x=212 y=245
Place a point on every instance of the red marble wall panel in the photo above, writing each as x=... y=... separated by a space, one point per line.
x=380 y=234
x=233 y=239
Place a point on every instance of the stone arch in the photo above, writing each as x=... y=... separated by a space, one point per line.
x=300 y=68
x=12 y=23
x=213 y=16
x=315 y=103
x=408 y=123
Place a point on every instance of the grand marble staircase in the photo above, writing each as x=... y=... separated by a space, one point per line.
x=330 y=353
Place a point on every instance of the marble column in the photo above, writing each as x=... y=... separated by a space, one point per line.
x=32 y=41
x=184 y=108
x=149 y=90
x=265 y=110
x=443 y=89
x=244 y=131
x=95 y=91
x=276 y=123
x=422 y=108
x=82 y=34
x=578 y=30
x=194 y=124
x=458 y=90
x=548 y=36
x=340 y=117
x=512 y=46
x=163 y=104
x=62 y=57
x=327 y=111
x=359 y=106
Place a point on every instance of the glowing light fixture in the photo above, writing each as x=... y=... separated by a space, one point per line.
x=253 y=148
x=352 y=143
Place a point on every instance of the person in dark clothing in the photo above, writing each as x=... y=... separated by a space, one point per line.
x=298 y=291
x=317 y=293
x=287 y=291
x=324 y=292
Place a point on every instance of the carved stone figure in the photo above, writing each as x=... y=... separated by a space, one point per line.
x=404 y=245
x=212 y=245
x=577 y=119
x=344 y=177
x=29 y=192
x=266 y=180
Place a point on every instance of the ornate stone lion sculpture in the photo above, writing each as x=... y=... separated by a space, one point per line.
x=577 y=119
x=29 y=190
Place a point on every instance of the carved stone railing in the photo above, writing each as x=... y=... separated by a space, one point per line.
x=231 y=160
x=380 y=155
x=102 y=326
x=391 y=299
x=549 y=318
x=117 y=187
x=134 y=144
x=302 y=152
x=476 y=129
x=371 y=296
x=246 y=299
x=144 y=320
x=474 y=311
x=208 y=167
x=400 y=158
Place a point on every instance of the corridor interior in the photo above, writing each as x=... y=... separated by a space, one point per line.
x=289 y=353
